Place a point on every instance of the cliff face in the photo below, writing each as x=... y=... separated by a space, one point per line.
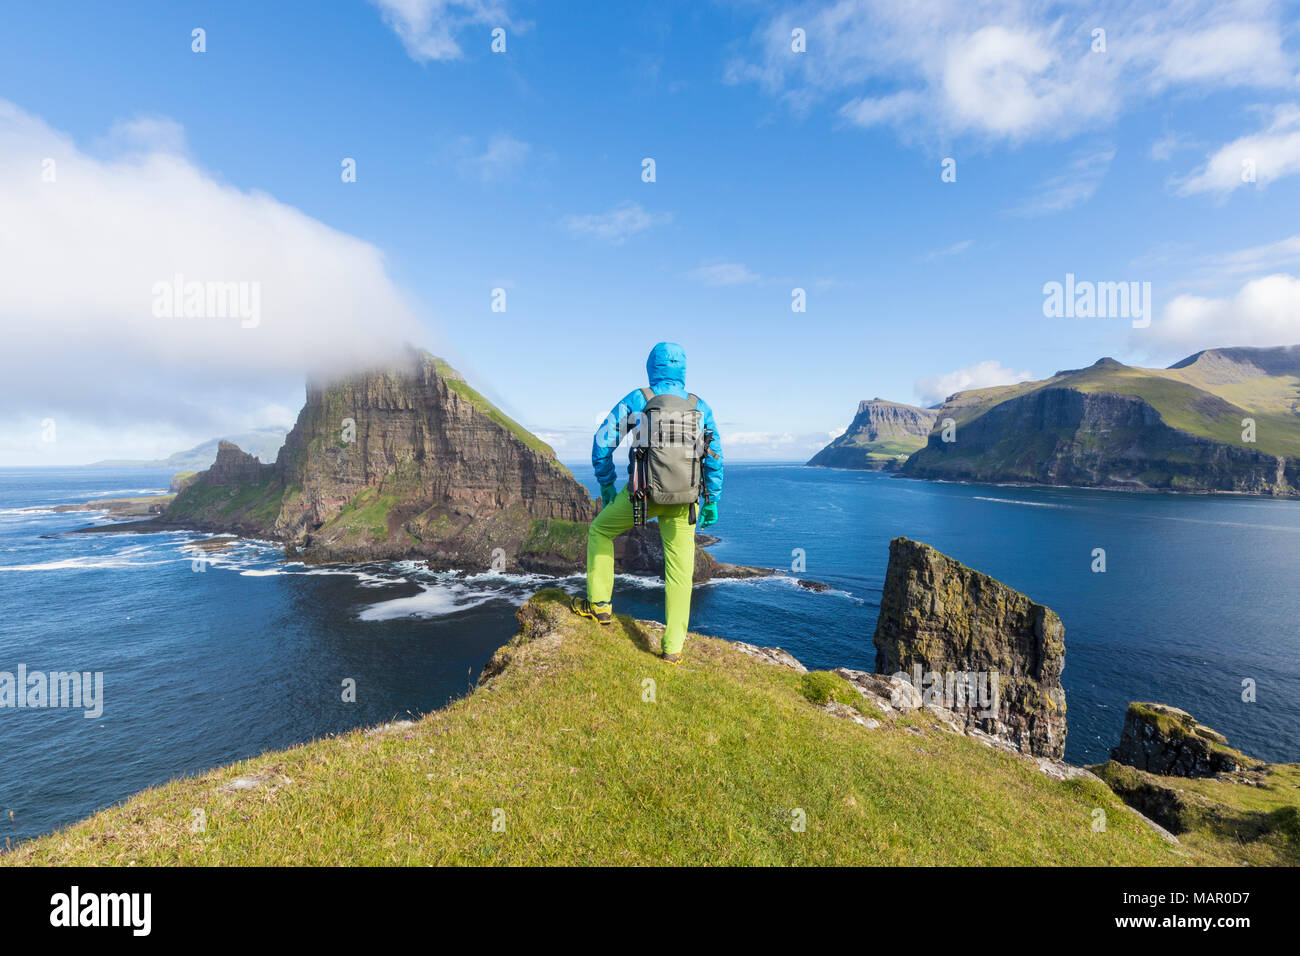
x=408 y=461
x=233 y=466
x=880 y=436
x=992 y=655
x=1116 y=426
x=412 y=460
x=1064 y=436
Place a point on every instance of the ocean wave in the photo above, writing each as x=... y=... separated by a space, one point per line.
x=644 y=581
x=364 y=578
x=1224 y=524
x=432 y=601
x=781 y=580
x=1020 y=501
x=88 y=563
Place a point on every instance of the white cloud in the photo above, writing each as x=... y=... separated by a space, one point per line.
x=760 y=438
x=1264 y=311
x=1171 y=142
x=83 y=256
x=1009 y=70
x=1230 y=54
x=1272 y=153
x=146 y=134
x=1260 y=259
x=724 y=273
x=428 y=28
x=616 y=225
x=955 y=249
x=936 y=388
x=1071 y=186
x=745 y=445
x=877 y=110
x=500 y=159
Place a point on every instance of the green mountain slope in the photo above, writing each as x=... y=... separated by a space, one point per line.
x=1114 y=425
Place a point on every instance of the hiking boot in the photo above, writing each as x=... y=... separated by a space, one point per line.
x=600 y=613
x=673 y=658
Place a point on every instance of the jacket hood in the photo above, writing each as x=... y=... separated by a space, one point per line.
x=666 y=365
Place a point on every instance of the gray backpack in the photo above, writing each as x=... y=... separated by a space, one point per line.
x=665 y=455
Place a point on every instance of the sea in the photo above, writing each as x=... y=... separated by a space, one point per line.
x=207 y=658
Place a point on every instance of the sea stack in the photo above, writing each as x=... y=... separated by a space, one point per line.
x=962 y=634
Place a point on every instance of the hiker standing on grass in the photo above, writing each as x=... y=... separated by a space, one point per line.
x=674 y=459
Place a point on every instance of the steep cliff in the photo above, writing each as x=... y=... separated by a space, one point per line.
x=410 y=461
x=1225 y=420
x=404 y=461
x=983 y=650
x=880 y=437
x=413 y=461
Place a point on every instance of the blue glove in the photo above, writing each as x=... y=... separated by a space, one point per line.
x=607 y=495
x=708 y=514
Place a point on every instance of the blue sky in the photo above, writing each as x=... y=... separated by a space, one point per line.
x=522 y=170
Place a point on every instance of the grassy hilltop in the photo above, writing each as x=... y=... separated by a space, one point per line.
x=560 y=745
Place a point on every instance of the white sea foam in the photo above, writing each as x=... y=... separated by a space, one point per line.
x=1018 y=501
x=364 y=578
x=644 y=581
x=432 y=601
x=84 y=564
x=1225 y=524
x=779 y=580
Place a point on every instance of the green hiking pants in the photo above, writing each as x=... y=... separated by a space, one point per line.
x=678 y=535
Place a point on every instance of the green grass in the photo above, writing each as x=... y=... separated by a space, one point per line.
x=252 y=501
x=564 y=539
x=1229 y=823
x=822 y=687
x=367 y=512
x=581 y=761
x=890 y=448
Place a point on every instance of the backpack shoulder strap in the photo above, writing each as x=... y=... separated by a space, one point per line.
x=647 y=393
x=693 y=400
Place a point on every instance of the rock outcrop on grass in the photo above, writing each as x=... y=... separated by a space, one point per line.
x=984 y=651
x=1182 y=774
x=1164 y=740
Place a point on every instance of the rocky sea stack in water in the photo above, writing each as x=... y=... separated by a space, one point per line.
x=961 y=631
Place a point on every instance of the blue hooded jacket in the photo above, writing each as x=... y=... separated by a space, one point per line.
x=666 y=370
